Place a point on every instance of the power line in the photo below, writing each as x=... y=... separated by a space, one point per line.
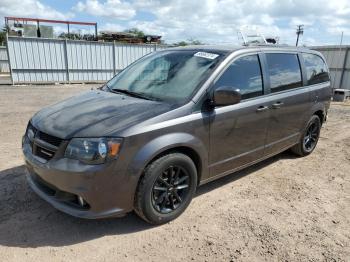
x=300 y=31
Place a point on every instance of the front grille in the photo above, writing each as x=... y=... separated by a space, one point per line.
x=39 y=149
x=49 y=139
x=43 y=152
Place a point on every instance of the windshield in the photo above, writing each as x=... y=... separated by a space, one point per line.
x=171 y=76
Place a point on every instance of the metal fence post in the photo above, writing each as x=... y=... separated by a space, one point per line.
x=66 y=58
x=8 y=58
x=114 y=60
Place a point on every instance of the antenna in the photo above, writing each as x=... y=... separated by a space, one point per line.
x=300 y=31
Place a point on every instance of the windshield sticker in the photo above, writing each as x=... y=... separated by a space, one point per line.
x=206 y=55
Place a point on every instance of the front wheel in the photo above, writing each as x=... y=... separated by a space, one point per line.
x=166 y=189
x=309 y=138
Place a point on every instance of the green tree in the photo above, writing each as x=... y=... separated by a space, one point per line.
x=72 y=36
x=3 y=36
x=188 y=42
x=196 y=42
x=135 y=31
x=181 y=43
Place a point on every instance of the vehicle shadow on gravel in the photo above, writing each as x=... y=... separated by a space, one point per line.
x=239 y=174
x=28 y=221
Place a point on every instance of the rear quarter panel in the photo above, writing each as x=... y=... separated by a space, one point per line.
x=321 y=95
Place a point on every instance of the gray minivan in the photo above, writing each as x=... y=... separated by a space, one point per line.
x=171 y=121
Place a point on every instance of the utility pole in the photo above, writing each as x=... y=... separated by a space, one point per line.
x=300 y=31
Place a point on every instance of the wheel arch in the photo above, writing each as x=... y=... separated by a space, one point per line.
x=188 y=151
x=183 y=143
x=320 y=114
x=320 y=110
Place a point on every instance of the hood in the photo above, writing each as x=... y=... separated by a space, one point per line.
x=96 y=114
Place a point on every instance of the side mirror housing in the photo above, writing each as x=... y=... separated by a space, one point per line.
x=225 y=95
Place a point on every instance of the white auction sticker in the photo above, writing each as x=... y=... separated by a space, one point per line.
x=206 y=55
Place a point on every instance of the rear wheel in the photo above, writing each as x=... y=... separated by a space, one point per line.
x=309 y=138
x=166 y=189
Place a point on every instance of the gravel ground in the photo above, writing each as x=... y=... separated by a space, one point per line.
x=283 y=209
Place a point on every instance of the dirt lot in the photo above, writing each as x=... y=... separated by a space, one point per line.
x=284 y=209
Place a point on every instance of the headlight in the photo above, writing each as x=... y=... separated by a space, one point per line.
x=30 y=132
x=93 y=150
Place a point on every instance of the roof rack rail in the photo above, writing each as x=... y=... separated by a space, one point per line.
x=257 y=39
x=267 y=44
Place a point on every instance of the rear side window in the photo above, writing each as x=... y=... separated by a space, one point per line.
x=284 y=71
x=243 y=74
x=316 y=69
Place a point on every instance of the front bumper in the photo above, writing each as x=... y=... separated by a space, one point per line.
x=60 y=181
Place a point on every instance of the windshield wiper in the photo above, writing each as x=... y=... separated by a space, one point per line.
x=105 y=85
x=133 y=94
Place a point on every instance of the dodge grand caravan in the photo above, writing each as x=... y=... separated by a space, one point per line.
x=171 y=121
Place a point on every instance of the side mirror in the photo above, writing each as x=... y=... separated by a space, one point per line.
x=225 y=95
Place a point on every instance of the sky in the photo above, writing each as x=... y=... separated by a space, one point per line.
x=210 y=21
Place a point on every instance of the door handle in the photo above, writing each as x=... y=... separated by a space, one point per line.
x=262 y=108
x=277 y=105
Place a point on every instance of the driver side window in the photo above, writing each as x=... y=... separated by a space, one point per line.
x=243 y=74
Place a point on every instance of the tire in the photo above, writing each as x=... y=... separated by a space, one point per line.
x=166 y=181
x=302 y=149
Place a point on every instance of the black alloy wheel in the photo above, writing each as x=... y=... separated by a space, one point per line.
x=311 y=137
x=166 y=188
x=170 y=188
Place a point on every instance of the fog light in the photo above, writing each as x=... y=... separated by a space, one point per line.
x=81 y=201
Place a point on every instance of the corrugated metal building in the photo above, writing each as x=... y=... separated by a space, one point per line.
x=39 y=60
x=338 y=60
x=4 y=65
